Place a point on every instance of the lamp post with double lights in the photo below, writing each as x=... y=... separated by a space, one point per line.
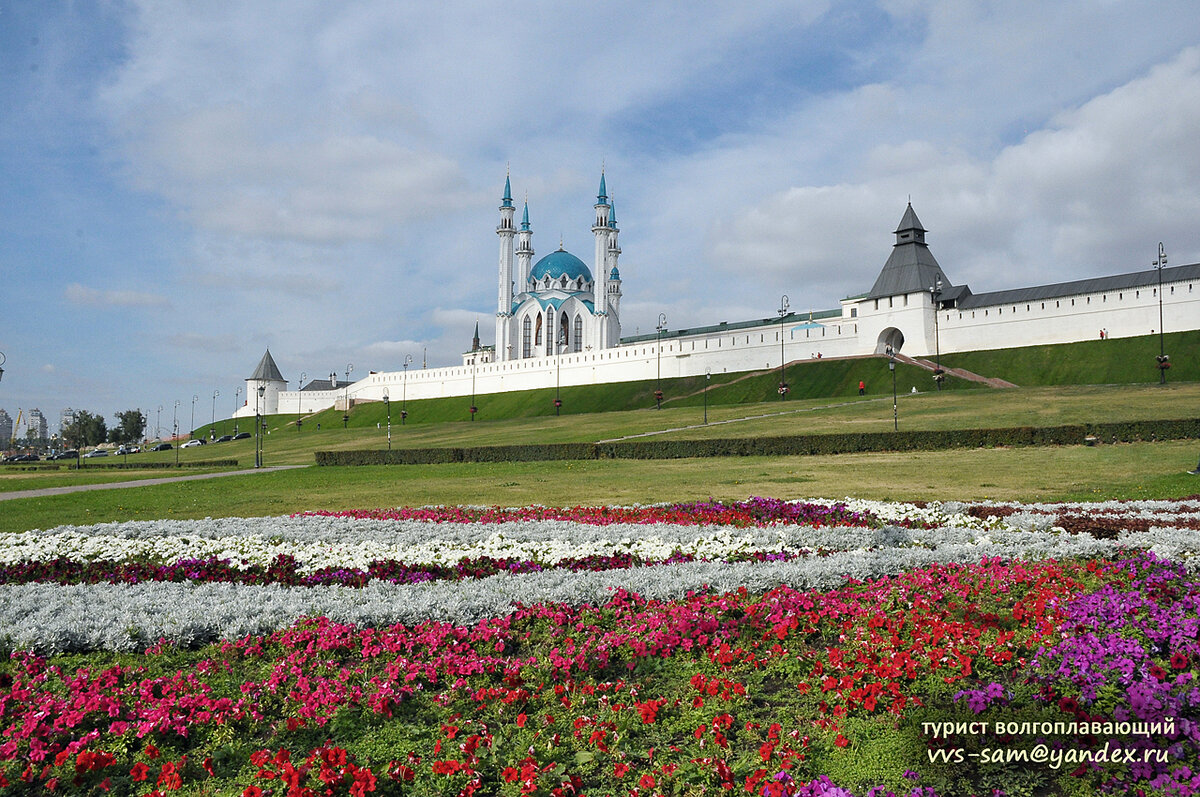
x=158 y=424
x=658 y=394
x=300 y=400
x=175 y=430
x=404 y=391
x=1164 y=362
x=212 y=426
x=558 y=377
x=259 y=423
x=935 y=293
x=783 y=311
x=388 y=401
x=236 y=395
x=346 y=415
x=473 y=409
x=192 y=428
x=891 y=353
x=707 y=379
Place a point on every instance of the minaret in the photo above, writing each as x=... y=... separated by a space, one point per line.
x=524 y=251
x=613 y=278
x=601 y=230
x=505 y=300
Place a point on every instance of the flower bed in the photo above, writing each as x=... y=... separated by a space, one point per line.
x=762 y=647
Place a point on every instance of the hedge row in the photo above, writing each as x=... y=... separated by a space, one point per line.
x=1076 y=434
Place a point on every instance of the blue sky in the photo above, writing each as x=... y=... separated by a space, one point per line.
x=186 y=184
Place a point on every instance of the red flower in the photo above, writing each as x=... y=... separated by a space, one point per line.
x=252 y=791
x=521 y=718
x=620 y=770
x=139 y=771
x=646 y=781
x=1179 y=660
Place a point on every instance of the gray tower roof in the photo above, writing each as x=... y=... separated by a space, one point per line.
x=267 y=370
x=911 y=267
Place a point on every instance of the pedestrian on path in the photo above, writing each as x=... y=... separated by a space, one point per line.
x=862 y=388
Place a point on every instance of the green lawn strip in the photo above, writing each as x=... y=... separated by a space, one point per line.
x=15 y=482
x=1124 y=471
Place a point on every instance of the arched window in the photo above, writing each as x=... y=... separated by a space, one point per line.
x=563 y=282
x=525 y=327
x=563 y=338
x=578 y=341
x=537 y=335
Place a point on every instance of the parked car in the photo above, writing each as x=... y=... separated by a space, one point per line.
x=70 y=453
x=123 y=450
x=21 y=458
x=225 y=438
x=99 y=452
x=193 y=443
x=162 y=447
x=242 y=436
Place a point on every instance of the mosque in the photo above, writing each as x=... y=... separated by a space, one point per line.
x=558 y=323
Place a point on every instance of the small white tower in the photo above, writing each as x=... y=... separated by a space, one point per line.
x=504 y=301
x=601 y=230
x=268 y=377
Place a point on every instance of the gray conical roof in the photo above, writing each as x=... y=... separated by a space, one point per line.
x=267 y=370
x=911 y=266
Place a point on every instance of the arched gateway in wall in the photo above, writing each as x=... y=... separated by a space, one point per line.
x=889 y=337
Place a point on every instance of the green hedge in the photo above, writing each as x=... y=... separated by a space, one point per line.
x=1076 y=434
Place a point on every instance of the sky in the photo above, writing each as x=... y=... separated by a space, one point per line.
x=185 y=185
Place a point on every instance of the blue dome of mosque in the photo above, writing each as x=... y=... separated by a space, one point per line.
x=560 y=264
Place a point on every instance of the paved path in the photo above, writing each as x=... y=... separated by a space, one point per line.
x=78 y=488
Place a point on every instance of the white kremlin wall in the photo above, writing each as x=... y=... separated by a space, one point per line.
x=1122 y=313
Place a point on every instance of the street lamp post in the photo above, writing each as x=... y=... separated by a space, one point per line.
x=346 y=415
x=783 y=385
x=158 y=424
x=175 y=431
x=3 y=359
x=935 y=293
x=236 y=395
x=474 y=409
x=558 y=377
x=1164 y=362
x=258 y=426
x=707 y=378
x=388 y=401
x=212 y=427
x=658 y=394
x=404 y=391
x=192 y=428
x=300 y=400
x=891 y=353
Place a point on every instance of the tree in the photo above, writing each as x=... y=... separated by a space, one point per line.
x=130 y=426
x=85 y=430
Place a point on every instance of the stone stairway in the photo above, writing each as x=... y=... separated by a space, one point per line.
x=959 y=372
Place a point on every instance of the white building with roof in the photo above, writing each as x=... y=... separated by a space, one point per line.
x=551 y=329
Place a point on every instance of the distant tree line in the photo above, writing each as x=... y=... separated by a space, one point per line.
x=89 y=429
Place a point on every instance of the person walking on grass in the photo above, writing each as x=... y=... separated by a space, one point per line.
x=862 y=388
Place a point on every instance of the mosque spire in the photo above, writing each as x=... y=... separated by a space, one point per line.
x=507 y=199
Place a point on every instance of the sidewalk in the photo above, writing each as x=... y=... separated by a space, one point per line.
x=78 y=488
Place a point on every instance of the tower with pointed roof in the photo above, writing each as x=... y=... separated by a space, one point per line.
x=268 y=377
x=601 y=230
